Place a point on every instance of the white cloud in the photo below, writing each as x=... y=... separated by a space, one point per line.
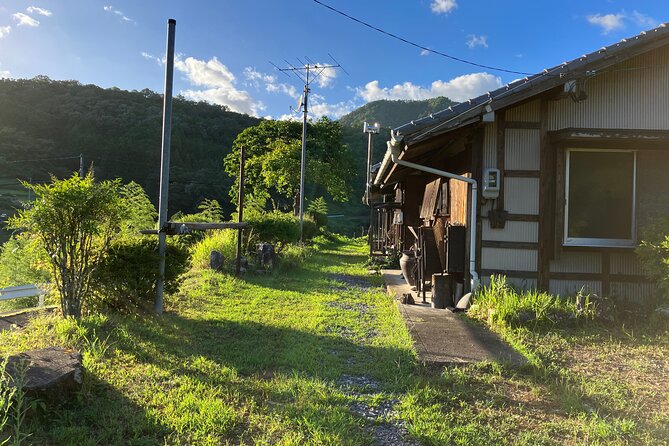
x=219 y=83
x=473 y=41
x=608 y=22
x=158 y=60
x=25 y=20
x=643 y=20
x=424 y=53
x=4 y=74
x=4 y=30
x=120 y=14
x=326 y=76
x=40 y=11
x=443 y=6
x=269 y=82
x=458 y=89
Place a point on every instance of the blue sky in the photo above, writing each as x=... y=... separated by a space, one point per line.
x=225 y=47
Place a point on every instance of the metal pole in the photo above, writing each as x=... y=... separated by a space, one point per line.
x=304 y=156
x=369 y=192
x=165 y=164
x=81 y=165
x=240 y=206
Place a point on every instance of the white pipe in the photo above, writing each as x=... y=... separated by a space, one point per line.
x=394 y=150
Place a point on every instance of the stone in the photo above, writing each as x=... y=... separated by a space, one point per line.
x=216 y=260
x=662 y=313
x=464 y=301
x=265 y=255
x=50 y=374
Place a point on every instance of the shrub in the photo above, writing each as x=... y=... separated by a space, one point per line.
x=292 y=257
x=23 y=260
x=125 y=279
x=224 y=241
x=318 y=210
x=654 y=254
x=279 y=229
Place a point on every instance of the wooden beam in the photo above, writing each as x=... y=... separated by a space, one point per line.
x=522 y=174
x=547 y=212
x=501 y=149
x=509 y=245
x=518 y=217
x=522 y=125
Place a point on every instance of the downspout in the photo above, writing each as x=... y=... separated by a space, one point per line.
x=394 y=148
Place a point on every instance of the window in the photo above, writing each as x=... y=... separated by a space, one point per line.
x=600 y=198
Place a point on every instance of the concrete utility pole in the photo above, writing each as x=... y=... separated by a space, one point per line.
x=306 y=68
x=370 y=129
x=303 y=163
x=165 y=164
x=81 y=165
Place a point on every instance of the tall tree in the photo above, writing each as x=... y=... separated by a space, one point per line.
x=273 y=153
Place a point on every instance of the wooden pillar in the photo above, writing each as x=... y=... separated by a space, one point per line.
x=547 y=215
x=501 y=149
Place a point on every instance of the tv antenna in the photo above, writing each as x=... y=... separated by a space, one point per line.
x=307 y=73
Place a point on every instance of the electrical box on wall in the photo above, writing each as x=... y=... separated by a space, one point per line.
x=491 y=179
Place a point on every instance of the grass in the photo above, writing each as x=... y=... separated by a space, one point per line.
x=263 y=361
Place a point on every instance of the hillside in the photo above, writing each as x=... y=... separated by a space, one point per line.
x=46 y=124
x=394 y=113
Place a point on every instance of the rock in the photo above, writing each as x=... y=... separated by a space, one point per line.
x=662 y=313
x=216 y=260
x=265 y=255
x=51 y=374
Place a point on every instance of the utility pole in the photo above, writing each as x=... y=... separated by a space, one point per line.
x=370 y=129
x=306 y=79
x=81 y=165
x=240 y=207
x=303 y=163
x=165 y=164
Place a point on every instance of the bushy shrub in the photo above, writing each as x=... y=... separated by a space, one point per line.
x=279 y=229
x=292 y=257
x=23 y=261
x=125 y=279
x=224 y=241
x=654 y=254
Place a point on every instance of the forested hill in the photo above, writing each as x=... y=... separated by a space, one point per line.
x=44 y=123
x=394 y=113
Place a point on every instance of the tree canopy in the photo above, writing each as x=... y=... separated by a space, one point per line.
x=273 y=158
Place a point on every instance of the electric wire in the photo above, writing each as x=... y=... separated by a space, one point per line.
x=424 y=48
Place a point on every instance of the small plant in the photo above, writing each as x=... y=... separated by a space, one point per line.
x=654 y=254
x=318 y=210
x=20 y=404
x=224 y=241
x=6 y=396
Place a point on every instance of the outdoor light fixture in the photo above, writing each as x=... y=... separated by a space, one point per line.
x=371 y=128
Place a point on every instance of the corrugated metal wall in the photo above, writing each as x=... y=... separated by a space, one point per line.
x=571 y=287
x=521 y=195
x=577 y=262
x=635 y=292
x=528 y=112
x=631 y=95
x=509 y=259
x=625 y=263
x=522 y=149
x=515 y=231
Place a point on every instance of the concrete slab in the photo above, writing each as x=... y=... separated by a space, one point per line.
x=444 y=338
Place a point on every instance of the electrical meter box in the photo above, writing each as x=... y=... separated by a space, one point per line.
x=491 y=179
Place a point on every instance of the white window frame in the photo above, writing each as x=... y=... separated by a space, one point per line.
x=599 y=242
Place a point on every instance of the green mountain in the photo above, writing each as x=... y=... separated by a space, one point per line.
x=394 y=113
x=46 y=124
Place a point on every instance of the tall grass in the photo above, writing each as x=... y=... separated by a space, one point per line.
x=222 y=240
x=499 y=303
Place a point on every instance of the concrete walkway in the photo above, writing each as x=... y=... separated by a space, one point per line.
x=444 y=338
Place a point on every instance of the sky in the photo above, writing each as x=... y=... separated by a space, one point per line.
x=227 y=49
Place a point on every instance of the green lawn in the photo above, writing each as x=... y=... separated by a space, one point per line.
x=320 y=355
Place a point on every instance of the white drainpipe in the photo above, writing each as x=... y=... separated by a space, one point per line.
x=394 y=148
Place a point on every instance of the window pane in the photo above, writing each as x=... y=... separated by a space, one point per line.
x=601 y=202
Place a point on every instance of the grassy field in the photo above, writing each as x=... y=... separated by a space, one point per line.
x=319 y=355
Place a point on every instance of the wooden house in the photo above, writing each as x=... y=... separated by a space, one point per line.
x=566 y=166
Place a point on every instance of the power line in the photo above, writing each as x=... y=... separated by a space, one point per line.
x=424 y=48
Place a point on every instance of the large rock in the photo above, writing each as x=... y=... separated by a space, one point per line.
x=51 y=374
x=216 y=260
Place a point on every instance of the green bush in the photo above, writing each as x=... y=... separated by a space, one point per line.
x=125 y=279
x=654 y=254
x=224 y=241
x=23 y=261
x=279 y=229
x=292 y=257
x=318 y=210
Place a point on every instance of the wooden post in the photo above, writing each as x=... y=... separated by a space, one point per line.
x=240 y=207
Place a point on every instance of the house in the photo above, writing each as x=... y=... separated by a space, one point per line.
x=552 y=175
